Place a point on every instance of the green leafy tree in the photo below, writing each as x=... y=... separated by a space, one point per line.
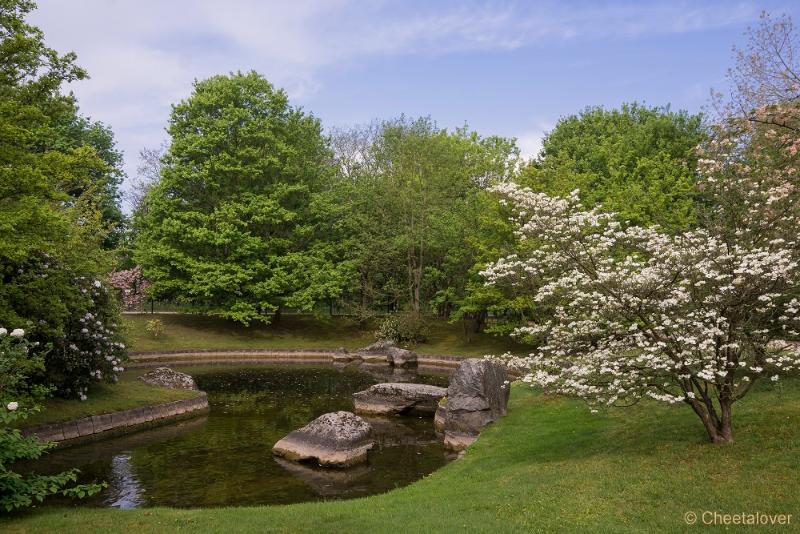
x=412 y=194
x=54 y=188
x=636 y=161
x=239 y=223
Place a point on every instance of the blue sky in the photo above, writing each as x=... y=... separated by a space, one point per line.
x=506 y=68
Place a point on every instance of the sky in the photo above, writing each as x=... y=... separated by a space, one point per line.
x=503 y=68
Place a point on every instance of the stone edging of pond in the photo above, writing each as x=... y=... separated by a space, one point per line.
x=239 y=356
x=115 y=423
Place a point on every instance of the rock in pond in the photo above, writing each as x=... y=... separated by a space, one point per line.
x=388 y=352
x=168 y=378
x=477 y=395
x=342 y=356
x=398 y=398
x=337 y=439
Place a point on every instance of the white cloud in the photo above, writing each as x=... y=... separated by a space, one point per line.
x=143 y=54
x=530 y=141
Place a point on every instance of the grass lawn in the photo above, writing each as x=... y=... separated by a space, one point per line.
x=185 y=331
x=105 y=398
x=549 y=466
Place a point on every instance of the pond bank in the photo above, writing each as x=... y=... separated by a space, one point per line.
x=549 y=466
x=124 y=421
x=247 y=356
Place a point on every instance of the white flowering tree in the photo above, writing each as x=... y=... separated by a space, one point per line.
x=694 y=318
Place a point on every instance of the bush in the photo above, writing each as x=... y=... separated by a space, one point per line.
x=17 y=400
x=20 y=369
x=404 y=327
x=91 y=348
x=72 y=315
x=155 y=327
x=20 y=491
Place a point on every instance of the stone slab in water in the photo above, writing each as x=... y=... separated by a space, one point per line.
x=337 y=439
x=169 y=378
x=388 y=352
x=398 y=398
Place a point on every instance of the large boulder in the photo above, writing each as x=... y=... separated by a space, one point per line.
x=477 y=395
x=168 y=378
x=337 y=439
x=398 y=398
x=388 y=352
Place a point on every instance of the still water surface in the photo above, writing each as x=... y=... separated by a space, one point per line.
x=224 y=458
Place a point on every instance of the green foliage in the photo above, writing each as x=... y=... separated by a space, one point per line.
x=18 y=490
x=91 y=348
x=239 y=224
x=19 y=369
x=57 y=190
x=636 y=161
x=403 y=327
x=412 y=195
x=155 y=327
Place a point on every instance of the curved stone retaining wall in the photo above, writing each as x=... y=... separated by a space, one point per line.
x=99 y=425
x=238 y=356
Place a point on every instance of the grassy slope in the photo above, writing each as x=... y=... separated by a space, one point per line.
x=549 y=466
x=294 y=332
x=105 y=398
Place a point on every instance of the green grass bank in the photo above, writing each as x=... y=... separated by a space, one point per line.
x=187 y=331
x=549 y=466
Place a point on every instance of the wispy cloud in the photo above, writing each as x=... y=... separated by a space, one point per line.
x=144 y=54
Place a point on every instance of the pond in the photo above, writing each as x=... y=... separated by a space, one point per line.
x=224 y=458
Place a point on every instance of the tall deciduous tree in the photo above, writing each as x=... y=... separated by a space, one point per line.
x=239 y=224
x=636 y=161
x=55 y=197
x=413 y=190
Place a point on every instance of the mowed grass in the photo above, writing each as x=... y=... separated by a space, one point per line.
x=128 y=393
x=549 y=466
x=187 y=332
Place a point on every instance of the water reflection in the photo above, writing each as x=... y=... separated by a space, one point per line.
x=225 y=457
x=125 y=490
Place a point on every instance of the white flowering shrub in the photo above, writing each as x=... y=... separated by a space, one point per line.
x=694 y=318
x=91 y=349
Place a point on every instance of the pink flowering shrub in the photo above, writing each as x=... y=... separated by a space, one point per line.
x=132 y=286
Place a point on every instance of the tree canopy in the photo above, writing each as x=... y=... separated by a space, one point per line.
x=238 y=223
x=636 y=161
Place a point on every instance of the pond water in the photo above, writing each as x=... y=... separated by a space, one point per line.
x=224 y=458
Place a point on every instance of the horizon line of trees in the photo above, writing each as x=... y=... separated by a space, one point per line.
x=251 y=208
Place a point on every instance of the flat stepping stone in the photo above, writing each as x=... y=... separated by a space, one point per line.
x=337 y=439
x=394 y=398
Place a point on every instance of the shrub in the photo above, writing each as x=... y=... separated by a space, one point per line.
x=20 y=491
x=132 y=287
x=155 y=327
x=62 y=307
x=20 y=369
x=18 y=364
x=403 y=327
x=91 y=348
